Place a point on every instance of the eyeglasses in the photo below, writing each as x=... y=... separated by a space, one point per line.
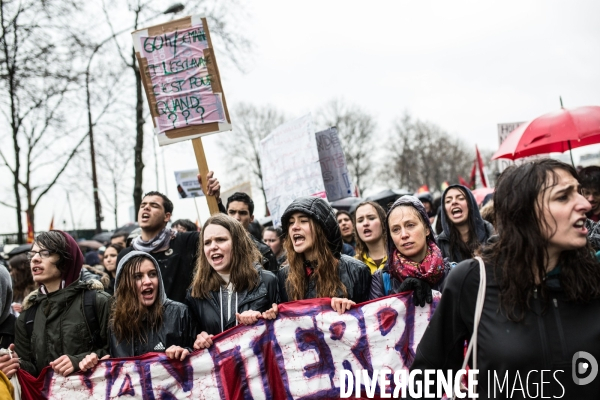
x=42 y=253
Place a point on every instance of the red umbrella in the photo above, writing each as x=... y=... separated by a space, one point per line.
x=555 y=132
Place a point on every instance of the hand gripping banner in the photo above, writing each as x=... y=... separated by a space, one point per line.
x=299 y=355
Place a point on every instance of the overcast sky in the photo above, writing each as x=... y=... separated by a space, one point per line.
x=464 y=65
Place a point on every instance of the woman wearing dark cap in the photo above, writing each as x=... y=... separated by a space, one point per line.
x=415 y=261
x=61 y=335
x=463 y=228
x=316 y=266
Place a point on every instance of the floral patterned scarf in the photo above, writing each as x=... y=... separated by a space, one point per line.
x=431 y=269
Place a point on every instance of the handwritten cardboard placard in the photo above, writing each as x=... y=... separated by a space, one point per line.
x=181 y=79
x=333 y=165
x=290 y=165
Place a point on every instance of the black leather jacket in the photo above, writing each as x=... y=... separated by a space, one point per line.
x=552 y=331
x=354 y=274
x=177 y=329
x=207 y=312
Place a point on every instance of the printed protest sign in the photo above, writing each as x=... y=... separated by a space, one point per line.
x=187 y=184
x=303 y=354
x=290 y=165
x=181 y=79
x=333 y=165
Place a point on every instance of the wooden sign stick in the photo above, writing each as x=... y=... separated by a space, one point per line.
x=203 y=169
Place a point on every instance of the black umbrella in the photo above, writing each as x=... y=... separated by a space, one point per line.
x=20 y=249
x=103 y=237
x=385 y=198
x=347 y=204
x=127 y=228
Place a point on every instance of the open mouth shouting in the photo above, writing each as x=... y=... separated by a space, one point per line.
x=298 y=239
x=37 y=270
x=579 y=225
x=217 y=258
x=145 y=217
x=148 y=294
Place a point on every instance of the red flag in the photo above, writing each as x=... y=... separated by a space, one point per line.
x=30 y=235
x=51 y=223
x=423 y=189
x=473 y=178
x=480 y=163
x=462 y=181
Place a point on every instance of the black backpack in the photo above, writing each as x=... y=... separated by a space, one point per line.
x=89 y=310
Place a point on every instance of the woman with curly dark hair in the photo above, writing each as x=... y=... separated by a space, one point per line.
x=540 y=299
x=463 y=228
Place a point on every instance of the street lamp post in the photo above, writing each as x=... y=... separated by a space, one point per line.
x=175 y=8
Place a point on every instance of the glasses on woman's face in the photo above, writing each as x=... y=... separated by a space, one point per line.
x=42 y=253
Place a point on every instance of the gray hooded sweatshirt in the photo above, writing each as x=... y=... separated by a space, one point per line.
x=177 y=326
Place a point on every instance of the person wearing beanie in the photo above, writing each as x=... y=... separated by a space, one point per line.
x=60 y=336
x=317 y=269
x=463 y=228
x=143 y=319
x=415 y=261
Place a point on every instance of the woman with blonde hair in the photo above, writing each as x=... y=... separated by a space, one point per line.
x=316 y=266
x=229 y=285
x=370 y=226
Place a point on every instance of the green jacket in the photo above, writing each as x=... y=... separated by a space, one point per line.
x=60 y=327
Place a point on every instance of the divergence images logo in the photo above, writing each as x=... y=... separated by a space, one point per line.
x=584 y=363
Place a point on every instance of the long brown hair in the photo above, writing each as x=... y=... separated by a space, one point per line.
x=361 y=246
x=130 y=319
x=457 y=246
x=326 y=274
x=520 y=253
x=22 y=280
x=244 y=255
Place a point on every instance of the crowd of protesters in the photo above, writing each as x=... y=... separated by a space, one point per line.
x=172 y=288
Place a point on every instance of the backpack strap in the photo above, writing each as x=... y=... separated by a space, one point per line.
x=387 y=282
x=29 y=318
x=89 y=310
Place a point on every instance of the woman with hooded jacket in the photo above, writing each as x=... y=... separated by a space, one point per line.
x=541 y=299
x=143 y=319
x=229 y=285
x=60 y=336
x=415 y=261
x=316 y=267
x=463 y=228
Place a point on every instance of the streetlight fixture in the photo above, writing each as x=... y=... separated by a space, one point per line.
x=175 y=8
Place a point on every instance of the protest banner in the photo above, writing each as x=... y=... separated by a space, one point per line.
x=182 y=84
x=300 y=355
x=290 y=165
x=333 y=165
x=187 y=184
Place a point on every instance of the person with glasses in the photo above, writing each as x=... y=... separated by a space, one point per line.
x=53 y=328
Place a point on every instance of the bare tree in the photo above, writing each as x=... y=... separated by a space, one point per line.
x=37 y=76
x=225 y=31
x=422 y=153
x=242 y=145
x=356 y=129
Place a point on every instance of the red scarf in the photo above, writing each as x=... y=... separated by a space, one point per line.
x=431 y=269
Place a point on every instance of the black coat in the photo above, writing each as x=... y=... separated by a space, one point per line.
x=354 y=274
x=269 y=261
x=207 y=312
x=176 y=264
x=550 y=334
x=444 y=243
x=177 y=329
x=7 y=331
